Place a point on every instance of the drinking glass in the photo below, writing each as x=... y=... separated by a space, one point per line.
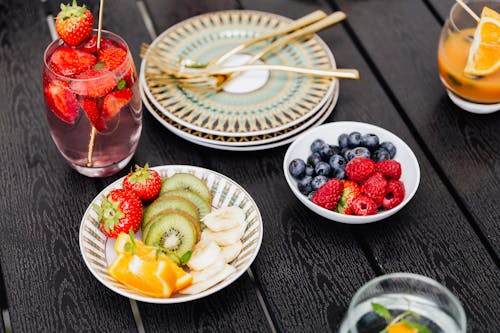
x=477 y=94
x=103 y=151
x=437 y=308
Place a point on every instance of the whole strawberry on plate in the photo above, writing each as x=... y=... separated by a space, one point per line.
x=120 y=211
x=74 y=23
x=145 y=182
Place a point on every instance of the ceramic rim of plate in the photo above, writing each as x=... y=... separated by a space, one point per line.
x=214 y=145
x=305 y=111
x=226 y=192
x=255 y=140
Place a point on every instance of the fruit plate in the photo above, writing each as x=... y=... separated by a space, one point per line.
x=270 y=102
x=329 y=133
x=97 y=250
x=253 y=143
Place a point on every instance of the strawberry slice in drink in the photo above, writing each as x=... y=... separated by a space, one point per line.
x=61 y=101
x=90 y=108
x=114 y=102
x=90 y=46
x=70 y=62
x=94 y=83
x=112 y=58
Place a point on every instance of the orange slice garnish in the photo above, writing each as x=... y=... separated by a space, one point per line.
x=484 y=53
x=400 y=328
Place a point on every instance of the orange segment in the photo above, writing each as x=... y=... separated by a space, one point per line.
x=183 y=278
x=400 y=328
x=484 y=54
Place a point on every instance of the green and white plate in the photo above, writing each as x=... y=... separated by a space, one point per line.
x=98 y=250
x=255 y=103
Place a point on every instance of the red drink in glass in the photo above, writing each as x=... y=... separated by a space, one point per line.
x=93 y=104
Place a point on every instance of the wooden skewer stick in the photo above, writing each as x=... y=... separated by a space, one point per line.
x=93 y=132
x=468 y=9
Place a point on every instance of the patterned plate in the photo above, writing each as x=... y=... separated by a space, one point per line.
x=236 y=141
x=97 y=250
x=211 y=141
x=283 y=101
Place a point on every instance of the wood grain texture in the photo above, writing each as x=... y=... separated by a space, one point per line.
x=48 y=286
x=440 y=243
x=233 y=309
x=442 y=7
x=466 y=146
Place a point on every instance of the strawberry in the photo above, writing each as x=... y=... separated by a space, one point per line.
x=74 y=23
x=61 y=101
x=359 y=168
x=112 y=58
x=391 y=169
x=114 y=102
x=351 y=191
x=145 y=182
x=374 y=188
x=92 y=111
x=90 y=46
x=395 y=194
x=70 y=62
x=94 y=83
x=120 y=211
x=328 y=195
x=363 y=206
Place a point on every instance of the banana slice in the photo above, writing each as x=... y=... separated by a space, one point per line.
x=204 y=255
x=206 y=236
x=227 y=237
x=230 y=252
x=216 y=267
x=204 y=285
x=224 y=218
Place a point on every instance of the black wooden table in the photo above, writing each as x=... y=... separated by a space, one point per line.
x=308 y=268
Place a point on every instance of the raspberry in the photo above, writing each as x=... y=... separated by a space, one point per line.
x=359 y=168
x=391 y=169
x=374 y=188
x=363 y=206
x=351 y=191
x=395 y=193
x=329 y=194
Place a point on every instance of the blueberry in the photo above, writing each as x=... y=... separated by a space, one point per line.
x=322 y=169
x=297 y=168
x=304 y=185
x=370 y=141
x=337 y=162
x=380 y=155
x=314 y=159
x=311 y=195
x=336 y=149
x=343 y=152
x=309 y=171
x=349 y=155
x=343 y=141
x=361 y=152
x=354 y=139
x=339 y=173
x=389 y=146
x=318 y=181
x=326 y=152
x=317 y=145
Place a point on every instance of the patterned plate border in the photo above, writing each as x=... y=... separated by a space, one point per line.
x=224 y=133
x=225 y=191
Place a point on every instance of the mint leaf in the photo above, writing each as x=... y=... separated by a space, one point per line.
x=185 y=257
x=128 y=246
x=99 y=65
x=419 y=327
x=381 y=310
x=121 y=84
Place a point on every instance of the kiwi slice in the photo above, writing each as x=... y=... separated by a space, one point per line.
x=187 y=181
x=169 y=202
x=196 y=222
x=173 y=232
x=203 y=206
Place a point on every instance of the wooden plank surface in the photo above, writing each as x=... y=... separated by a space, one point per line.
x=48 y=286
x=440 y=243
x=464 y=145
x=442 y=7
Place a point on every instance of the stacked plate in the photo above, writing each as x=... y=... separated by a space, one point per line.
x=255 y=110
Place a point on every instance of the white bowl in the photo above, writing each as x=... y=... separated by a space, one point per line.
x=330 y=132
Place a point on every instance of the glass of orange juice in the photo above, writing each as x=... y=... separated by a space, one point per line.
x=472 y=79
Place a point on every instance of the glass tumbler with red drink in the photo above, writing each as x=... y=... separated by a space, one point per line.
x=92 y=100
